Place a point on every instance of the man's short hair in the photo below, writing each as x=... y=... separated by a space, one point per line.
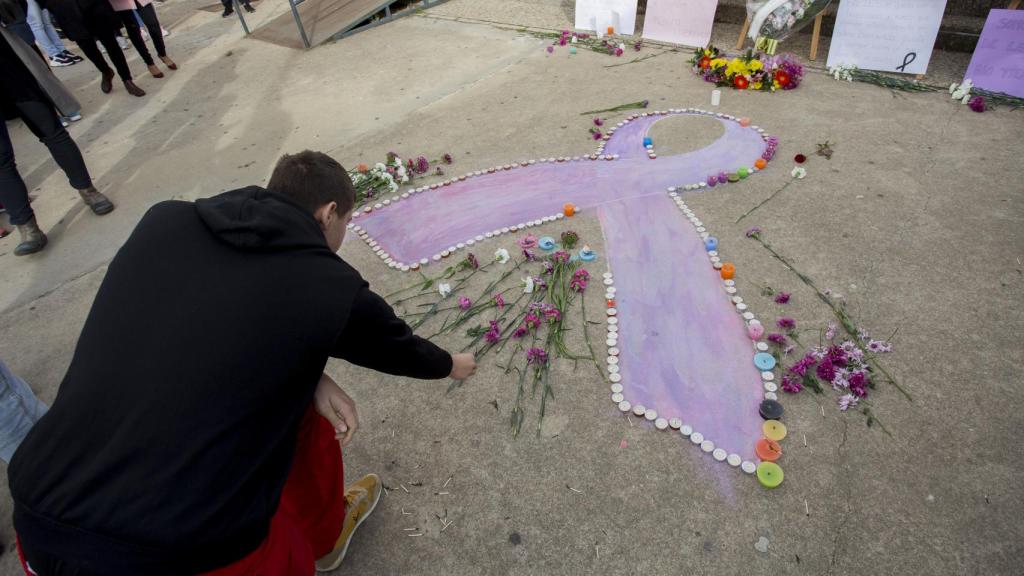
x=312 y=179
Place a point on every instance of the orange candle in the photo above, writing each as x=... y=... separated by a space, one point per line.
x=611 y=30
x=760 y=163
x=728 y=271
x=568 y=209
x=768 y=450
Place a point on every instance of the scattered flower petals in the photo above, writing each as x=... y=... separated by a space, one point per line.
x=753 y=232
x=782 y=297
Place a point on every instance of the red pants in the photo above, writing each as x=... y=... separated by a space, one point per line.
x=309 y=518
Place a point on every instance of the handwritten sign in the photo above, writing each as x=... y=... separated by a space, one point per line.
x=887 y=35
x=598 y=15
x=998 y=61
x=685 y=22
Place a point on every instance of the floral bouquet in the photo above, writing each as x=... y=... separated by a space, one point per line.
x=388 y=176
x=751 y=71
x=775 y=20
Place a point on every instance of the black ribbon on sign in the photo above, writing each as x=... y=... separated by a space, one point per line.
x=910 y=57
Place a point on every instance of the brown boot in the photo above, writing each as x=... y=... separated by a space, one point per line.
x=133 y=89
x=95 y=200
x=32 y=238
x=106 y=81
x=154 y=71
x=169 y=63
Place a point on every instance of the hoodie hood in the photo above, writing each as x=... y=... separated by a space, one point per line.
x=253 y=218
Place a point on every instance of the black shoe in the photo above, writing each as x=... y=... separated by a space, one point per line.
x=249 y=8
x=228 y=12
x=72 y=56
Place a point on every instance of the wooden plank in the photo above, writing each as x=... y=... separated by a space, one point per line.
x=743 y=33
x=816 y=36
x=322 y=19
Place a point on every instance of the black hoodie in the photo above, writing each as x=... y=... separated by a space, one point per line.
x=172 y=434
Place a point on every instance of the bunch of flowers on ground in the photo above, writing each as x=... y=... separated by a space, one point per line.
x=750 y=71
x=385 y=177
x=521 y=319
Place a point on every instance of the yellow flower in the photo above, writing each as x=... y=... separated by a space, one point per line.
x=755 y=65
x=737 y=66
x=717 y=62
x=756 y=85
x=775 y=83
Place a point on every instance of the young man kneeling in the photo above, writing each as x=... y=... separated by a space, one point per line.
x=195 y=431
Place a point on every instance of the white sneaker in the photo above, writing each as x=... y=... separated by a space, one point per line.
x=165 y=31
x=58 y=61
x=103 y=49
x=123 y=42
x=75 y=117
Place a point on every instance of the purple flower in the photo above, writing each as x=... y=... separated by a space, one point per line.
x=531 y=319
x=598 y=122
x=552 y=314
x=831 y=332
x=782 y=298
x=618 y=51
x=977 y=104
x=791 y=385
x=879 y=346
x=422 y=165
x=578 y=284
x=562 y=41
x=777 y=338
x=493 y=336
x=528 y=241
x=464 y=303
x=858 y=384
x=789 y=350
x=471 y=261
x=847 y=401
x=754 y=232
x=837 y=355
x=786 y=323
x=499 y=301
x=539 y=283
x=537 y=356
x=529 y=255
x=801 y=366
x=548 y=267
x=520 y=332
x=447 y=158
x=638 y=45
x=597 y=134
x=560 y=256
x=551 y=49
x=826 y=371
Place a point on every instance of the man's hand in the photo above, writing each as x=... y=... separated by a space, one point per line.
x=332 y=403
x=463 y=366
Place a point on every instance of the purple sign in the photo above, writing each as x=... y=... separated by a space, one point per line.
x=998 y=61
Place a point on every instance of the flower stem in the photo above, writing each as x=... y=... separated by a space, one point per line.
x=765 y=201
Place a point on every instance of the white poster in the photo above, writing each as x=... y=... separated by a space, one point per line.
x=686 y=22
x=886 y=35
x=598 y=15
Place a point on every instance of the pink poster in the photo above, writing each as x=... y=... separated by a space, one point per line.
x=686 y=22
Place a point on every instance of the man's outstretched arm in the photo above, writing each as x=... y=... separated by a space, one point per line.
x=377 y=339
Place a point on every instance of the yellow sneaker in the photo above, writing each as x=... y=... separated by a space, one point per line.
x=360 y=500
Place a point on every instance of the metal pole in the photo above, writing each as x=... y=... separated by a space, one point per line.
x=298 y=22
x=238 y=10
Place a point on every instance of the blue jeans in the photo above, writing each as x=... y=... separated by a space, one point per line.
x=19 y=411
x=42 y=28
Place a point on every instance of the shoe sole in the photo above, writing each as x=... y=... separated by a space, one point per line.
x=376 y=498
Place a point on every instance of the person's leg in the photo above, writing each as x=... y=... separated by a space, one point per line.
x=311 y=512
x=13 y=192
x=35 y=21
x=19 y=411
x=229 y=9
x=23 y=30
x=43 y=121
x=46 y=125
x=148 y=14
x=51 y=31
x=92 y=52
x=135 y=35
x=121 y=64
